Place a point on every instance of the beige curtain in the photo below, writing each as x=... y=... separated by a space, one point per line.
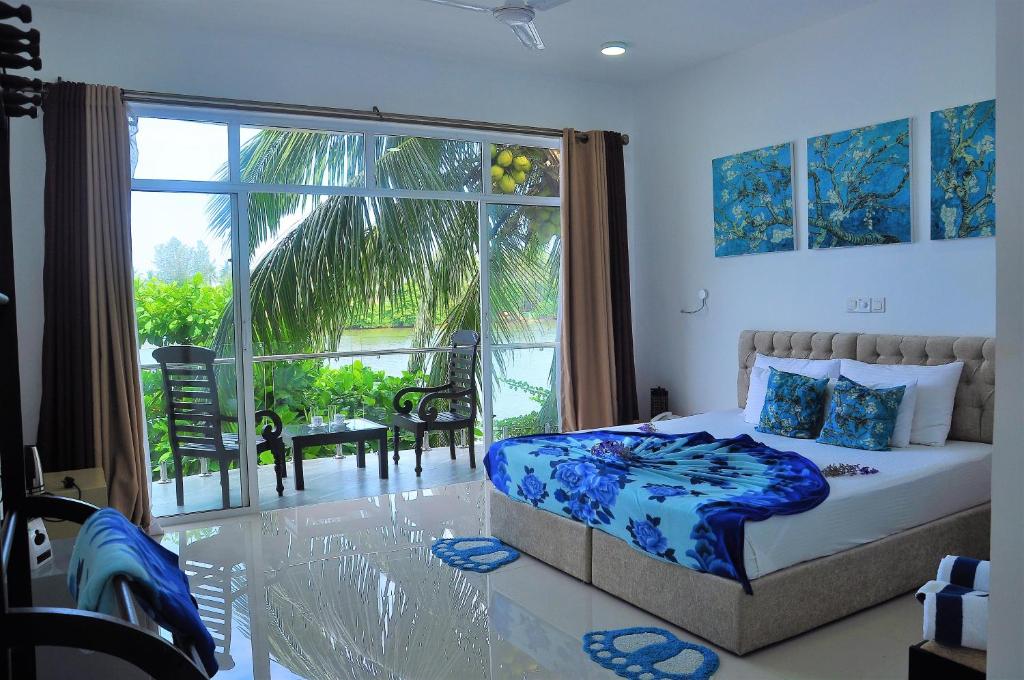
x=111 y=436
x=587 y=367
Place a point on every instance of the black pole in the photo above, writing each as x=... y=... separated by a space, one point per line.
x=18 y=662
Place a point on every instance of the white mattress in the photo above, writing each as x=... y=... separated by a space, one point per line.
x=914 y=485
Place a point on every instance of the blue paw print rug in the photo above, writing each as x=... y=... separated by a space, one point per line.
x=475 y=553
x=649 y=654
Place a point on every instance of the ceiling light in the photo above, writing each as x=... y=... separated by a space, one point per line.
x=613 y=49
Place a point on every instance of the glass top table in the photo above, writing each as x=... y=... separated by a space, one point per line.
x=349 y=431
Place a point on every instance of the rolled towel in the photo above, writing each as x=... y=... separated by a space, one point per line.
x=964 y=571
x=954 y=615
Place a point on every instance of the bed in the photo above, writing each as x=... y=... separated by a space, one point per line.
x=873 y=538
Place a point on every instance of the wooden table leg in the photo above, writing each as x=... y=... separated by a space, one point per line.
x=361 y=453
x=300 y=481
x=382 y=457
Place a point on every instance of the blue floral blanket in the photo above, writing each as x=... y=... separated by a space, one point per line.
x=681 y=498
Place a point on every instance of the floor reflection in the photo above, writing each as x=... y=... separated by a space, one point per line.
x=350 y=590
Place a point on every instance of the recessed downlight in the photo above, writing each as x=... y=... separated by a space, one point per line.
x=613 y=49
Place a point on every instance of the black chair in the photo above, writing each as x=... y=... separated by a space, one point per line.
x=194 y=420
x=29 y=629
x=459 y=395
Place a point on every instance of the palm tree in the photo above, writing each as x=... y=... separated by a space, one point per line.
x=351 y=256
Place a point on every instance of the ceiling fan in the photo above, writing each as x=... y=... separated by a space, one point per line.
x=516 y=14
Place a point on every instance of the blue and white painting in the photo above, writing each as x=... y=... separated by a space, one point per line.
x=753 y=199
x=858 y=186
x=964 y=171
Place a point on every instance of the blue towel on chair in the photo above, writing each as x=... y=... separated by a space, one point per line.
x=109 y=546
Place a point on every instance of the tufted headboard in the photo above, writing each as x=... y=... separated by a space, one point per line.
x=974 y=407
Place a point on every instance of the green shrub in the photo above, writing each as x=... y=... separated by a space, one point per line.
x=179 y=312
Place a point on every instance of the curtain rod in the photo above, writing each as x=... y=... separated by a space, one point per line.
x=142 y=97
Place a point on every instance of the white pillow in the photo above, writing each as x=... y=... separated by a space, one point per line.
x=812 y=368
x=905 y=415
x=936 y=390
x=758 y=389
x=756 y=393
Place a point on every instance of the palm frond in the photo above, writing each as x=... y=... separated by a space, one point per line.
x=299 y=157
x=427 y=164
x=351 y=256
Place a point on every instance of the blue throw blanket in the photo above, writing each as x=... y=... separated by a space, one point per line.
x=679 y=498
x=107 y=546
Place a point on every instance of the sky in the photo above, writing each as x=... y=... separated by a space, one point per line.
x=183 y=150
x=172 y=149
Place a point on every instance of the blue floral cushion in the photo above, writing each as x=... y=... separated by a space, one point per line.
x=792 y=405
x=861 y=417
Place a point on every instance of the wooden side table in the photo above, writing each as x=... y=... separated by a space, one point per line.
x=929 y=659
x=352 y=431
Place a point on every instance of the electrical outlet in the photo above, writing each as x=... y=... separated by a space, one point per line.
x=864 y=305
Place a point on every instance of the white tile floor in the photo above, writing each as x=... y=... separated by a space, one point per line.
x=349 y=589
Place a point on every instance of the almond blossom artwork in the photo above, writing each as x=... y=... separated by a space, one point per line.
x=753 y=200
x=858 y=186
x=964 y=171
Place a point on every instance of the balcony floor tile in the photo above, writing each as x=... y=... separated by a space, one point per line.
x=327 y=479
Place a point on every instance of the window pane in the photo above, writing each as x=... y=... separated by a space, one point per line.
x=180 y=149
x=343 y=273
x=525 y=247
x=183 y=296
x=523 y=396
x=293 y=156
x=524 y=170
x=427 y=164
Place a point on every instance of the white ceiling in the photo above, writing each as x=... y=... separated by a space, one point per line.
x=665 y=35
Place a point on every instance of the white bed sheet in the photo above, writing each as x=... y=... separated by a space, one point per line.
x=914 y=485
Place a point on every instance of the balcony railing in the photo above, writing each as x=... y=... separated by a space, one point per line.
x=299 y=411
x=355 y=354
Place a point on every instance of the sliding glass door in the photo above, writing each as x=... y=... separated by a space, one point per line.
x=186 y=284
x=338 y=258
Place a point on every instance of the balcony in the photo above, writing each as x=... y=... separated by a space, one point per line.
x=351 y=383
x=327 y=479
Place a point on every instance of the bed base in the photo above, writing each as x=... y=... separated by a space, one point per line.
x=785 y=603
x=561 y=542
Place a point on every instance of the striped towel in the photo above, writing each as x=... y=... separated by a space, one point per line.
x=954 y=615
x=964 y=571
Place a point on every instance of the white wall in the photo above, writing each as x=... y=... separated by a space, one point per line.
x=113 y=51
x=890 y=60
x=1006 y=618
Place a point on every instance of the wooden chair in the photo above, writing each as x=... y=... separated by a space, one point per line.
x=459 y=393
x=194 y=420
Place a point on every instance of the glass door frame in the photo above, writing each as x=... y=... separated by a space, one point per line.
x=240 y=191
